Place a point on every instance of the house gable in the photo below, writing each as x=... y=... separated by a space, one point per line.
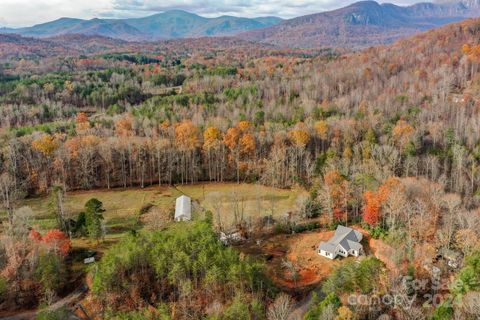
x=344 y=242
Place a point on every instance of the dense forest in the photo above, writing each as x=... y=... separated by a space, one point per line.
x=276 y=119
x=388 y=137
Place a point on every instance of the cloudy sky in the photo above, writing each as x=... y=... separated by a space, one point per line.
x=18 y=13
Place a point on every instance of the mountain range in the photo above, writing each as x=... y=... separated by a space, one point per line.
x=172 y=24
x=361 y=24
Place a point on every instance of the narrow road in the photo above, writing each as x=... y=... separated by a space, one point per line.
x=67 y=301
x=303 y=305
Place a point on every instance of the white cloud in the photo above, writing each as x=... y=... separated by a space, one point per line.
x=28 y=12
x=17 y=13
x=249 y=8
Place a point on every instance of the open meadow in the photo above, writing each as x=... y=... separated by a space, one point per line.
x=123 y=207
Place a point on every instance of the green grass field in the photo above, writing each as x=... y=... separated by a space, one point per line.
x=253 y=201
x=124 y=205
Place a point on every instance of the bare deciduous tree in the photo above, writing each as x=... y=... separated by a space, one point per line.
x=281 y=308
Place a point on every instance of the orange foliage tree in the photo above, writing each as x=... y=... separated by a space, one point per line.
x=339 y=192
x=321 y=127
x=371 y=211
x=472 y=52
x=244 y=126
x=248 y=144
x=82 y=123
x=124 y=127
x=76 y=145
x=46 y=145
x=300 y=136
x=374 y=200
x=212 y=147
x=187 y=135
x=403 y=132
x=211 y=138
x=187 y=139
x=240 y=141
x=232 y=138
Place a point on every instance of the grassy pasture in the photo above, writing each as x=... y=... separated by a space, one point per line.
x=123 y=205
x=253 y=201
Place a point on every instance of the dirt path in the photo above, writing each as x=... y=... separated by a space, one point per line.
x=69 y=300
x=302 y=306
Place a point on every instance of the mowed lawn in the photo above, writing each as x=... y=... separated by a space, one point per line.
x=124 y=205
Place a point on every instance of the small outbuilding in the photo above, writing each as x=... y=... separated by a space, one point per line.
x=183 y=208
x=89 y=260
x=231 y=237
x=344 y=242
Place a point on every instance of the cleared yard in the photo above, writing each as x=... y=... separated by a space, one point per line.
x=300 y=251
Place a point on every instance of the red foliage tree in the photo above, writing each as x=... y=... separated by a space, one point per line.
x=374 y=200
x=35 y=236
x=371 y=211
x=57 y=241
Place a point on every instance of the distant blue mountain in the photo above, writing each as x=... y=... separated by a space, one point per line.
x=168 y=25
x=360 y=24
x=113 y=29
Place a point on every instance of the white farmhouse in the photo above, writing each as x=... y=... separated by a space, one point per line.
x=344 y=242
x=183 y=209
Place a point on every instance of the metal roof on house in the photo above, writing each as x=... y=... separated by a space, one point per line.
x=345 y=237
x=328 y=247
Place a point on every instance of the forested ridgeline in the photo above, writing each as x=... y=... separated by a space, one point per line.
x=119 y=120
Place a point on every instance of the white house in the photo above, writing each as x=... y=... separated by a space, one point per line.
x=183 y=209
x=344 y=242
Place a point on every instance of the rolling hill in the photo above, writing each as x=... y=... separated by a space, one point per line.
x=363 y=24
x=15 y=47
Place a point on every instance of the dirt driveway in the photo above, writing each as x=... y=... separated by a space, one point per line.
x=300 y=251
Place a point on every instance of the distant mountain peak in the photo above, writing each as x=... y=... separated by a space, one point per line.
x=180 y=11
x=164 y=25
x=359 y=24
x=363 y=23
x=470 y=4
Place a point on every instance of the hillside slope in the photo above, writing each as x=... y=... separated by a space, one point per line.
x=361 y=24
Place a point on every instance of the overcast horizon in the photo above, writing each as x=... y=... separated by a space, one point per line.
x=13 y=13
